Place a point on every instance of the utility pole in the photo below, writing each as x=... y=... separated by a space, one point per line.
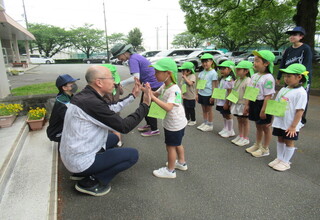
x=157 y=34
x=167 y=33
x=105 y=29
x=25 y=15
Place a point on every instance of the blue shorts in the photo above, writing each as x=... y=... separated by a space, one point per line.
x=222 y=111
x=282 y=133
x=173 y=138
x=204 y=100
x=254 y=113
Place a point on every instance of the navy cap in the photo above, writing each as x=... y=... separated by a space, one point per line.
x=64 y=79
x=297 y=29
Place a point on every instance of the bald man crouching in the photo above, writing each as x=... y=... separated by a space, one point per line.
x=87 y=144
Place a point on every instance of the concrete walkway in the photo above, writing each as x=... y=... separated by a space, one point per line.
x=28 y=164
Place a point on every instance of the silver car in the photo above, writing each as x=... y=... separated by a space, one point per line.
x=194 y=58
x=174 y=54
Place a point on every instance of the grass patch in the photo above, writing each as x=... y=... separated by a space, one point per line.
x=315 y=75
x=35 y=89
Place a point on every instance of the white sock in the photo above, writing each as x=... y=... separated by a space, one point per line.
x=288 y=153
x=280 y=150
x=230 y=124
x=210 y=123
x=225 y=126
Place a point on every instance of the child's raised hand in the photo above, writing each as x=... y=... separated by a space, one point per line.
x=147 y=94
x=137 y=87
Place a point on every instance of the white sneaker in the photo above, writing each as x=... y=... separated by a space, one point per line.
x=201 y=126
x=179 y=166
x=222 y=131
x=227 y=134
x=236 y=139
x=261 y=152
x=281 y=166
x=191 y=123
x=163 y=172
x=274 y=162
x=242 y=142
x=207 y=128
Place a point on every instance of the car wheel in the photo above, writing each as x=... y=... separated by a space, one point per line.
x=88 y=62
x=48 y=62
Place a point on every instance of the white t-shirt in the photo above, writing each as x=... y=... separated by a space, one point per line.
x=296 y=99
x=224 y=84
x=175 y=119
x=265 y=83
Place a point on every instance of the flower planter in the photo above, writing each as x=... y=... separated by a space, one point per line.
x=7 y=120
x=35 y=124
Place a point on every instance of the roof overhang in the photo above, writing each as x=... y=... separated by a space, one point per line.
x=8 y=27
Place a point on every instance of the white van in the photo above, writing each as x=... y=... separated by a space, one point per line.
x=37 y=58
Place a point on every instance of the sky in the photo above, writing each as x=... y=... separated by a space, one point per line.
x=121 y=16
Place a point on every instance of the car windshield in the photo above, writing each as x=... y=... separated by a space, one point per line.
x=194 y=53
x=245 y=55
x=163 y=53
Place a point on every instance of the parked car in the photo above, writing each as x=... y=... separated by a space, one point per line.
x=194 y=57
x=244 y=56
x=234 y=53
x=96 y=59
x=150 y=53
x=277 y=54
x=37 y=58
x=175 y=53
x=116 y=61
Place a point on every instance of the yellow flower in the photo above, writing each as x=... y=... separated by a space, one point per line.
x=10 y=109
x=37 y=113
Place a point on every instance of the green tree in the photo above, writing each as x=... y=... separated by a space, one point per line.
x=188 y=40
x=88 y=39
x=306 y=16
x=50 y=39
x=135 y=38
x=248 y=18
x=117 y=38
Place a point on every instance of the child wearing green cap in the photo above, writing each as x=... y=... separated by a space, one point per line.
x=264 y=83
x=115 y=95
x=287 y=128
x=168 y=97
x=244 y=70
x=207 y=81
x=223 y=106
x=188 y=87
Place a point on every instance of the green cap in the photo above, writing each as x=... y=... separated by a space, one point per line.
x=297 y=68
x=206 y=56
x=244 y=64
x=228 y=63
x=120 y=48
x=187 y=66
x=267 y=55
x=167 y=64
x=113 y=71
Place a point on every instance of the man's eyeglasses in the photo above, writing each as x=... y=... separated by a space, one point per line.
x=107 y=78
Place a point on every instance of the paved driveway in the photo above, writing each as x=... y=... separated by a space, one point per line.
x=223 y=182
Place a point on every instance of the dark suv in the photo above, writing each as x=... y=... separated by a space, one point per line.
x=96 y=59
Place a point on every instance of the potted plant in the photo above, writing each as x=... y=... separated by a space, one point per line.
x=8 y=113
x=36 y=118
